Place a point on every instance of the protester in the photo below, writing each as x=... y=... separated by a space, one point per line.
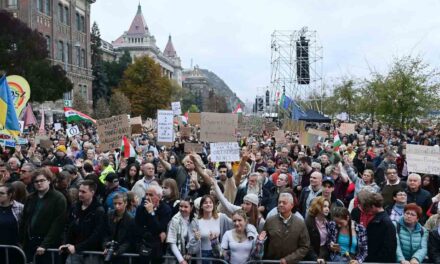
x=317 y=226
x=418 y=195
x=310 y=192
x=396 y=210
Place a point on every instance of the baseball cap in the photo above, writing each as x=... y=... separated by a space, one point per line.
x=329 y=180
x=262 y=169
x=111 y=177
x=70 y=168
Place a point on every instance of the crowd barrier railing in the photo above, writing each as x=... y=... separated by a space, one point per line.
x=9 y=248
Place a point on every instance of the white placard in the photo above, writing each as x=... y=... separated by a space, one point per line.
x=225 y=151
x=73 y=131
x=57 y=126
x=177 y=110
x=423 y=159
x=165 y=129
x=21 y=123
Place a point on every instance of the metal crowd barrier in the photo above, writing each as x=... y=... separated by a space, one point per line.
x=13 y=248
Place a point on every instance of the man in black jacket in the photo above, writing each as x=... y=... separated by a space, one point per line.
x=417 y=195
x=152 y=218
x=87 y=226
x=382 y=242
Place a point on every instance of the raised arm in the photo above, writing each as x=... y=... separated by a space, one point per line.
x=198 y=168
x=239 y=173
x=164 y=163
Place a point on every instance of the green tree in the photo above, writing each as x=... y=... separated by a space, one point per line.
x=80 y=103
x=368 y=101
x=409 y=90
x=345 y=97
x=193 y=109
x=144 y=85
x=24 y=52
x=99 y=85
x=114 y=70
x=119 y=104
x=102 y=109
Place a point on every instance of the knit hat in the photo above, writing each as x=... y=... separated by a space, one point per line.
x=252 y=198
x=61 y=148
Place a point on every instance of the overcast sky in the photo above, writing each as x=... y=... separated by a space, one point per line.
x=232 y=37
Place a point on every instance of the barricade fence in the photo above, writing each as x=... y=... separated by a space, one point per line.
x=8 y=251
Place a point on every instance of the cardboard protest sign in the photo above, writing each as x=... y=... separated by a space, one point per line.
x=270 y=126
x=165 y=128
x=175 y=106
x=197 y=148
x=323 y=134
x=46 y=143
x=185 y=132
x=38 y=139
x=308 y=139
x=279 y=136
x=73 y=131
x=423 y=159
x=136 y=125
x=111 y=130
x=293 y=125
x=194 y=118
x=225 y=151
x=217 y=127
x=347 y=128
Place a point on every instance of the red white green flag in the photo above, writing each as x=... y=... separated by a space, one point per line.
x=238 y=110
x=336 y=140
x=74 y=115
x=127 y=149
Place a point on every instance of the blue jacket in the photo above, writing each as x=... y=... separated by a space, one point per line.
x=411 y=244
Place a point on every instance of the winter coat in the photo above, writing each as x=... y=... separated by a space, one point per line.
x=434 y=246
x=411 y=244
x=381 y=239
x=121 y=232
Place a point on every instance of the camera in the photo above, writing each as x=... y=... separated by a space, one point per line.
x=111 y=247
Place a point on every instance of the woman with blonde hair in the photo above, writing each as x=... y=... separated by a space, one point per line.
x=171 y=194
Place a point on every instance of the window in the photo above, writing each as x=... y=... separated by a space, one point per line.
x=60 y=49
x=40 y=6
x=47 y=9
x=61 y=13
x=48 y=44
x=83 y=91
x=83 y=25
x=83 y=58
x=12 y=4
x=78 y=22
x=66 y=15
x=78 y=56
x=69 y=55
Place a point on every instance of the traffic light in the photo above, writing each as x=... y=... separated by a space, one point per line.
x=260 y=104
x=267 y=98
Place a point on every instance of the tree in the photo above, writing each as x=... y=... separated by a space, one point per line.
x=24 y=52
x=114 y=70
x=345 y=97
x=119 y=103
x=144 y=85
x=102 y=109
x=215 y=103
x=100 y=89
x=80 y=103
x=409 y=90
x=193 y=109
x=368 y=101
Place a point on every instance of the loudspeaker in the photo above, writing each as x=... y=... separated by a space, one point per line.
x=302 y=61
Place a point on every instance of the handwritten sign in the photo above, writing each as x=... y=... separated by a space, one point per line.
x=165 y=129
x=197 y=148
x=279 y=136
x=347 y=128
x=185 y=132
x=194 y=118
x=177 y=110
x=423 y=159
x=136 y=125
x=57 y=126
x=217 y=127
x=73 y=131
x=308 y=139
x=322 y=134
x=111 y=130
x=225 y=151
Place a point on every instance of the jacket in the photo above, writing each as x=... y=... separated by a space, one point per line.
x=303 y=199
x=422 y=198
x=434 y=246
x=411 y=244
x=289 y=241
x=122 y=232
x=87 y=227
x=315 y=238
x=49 y=220
x=382 y=245
x=361 y=236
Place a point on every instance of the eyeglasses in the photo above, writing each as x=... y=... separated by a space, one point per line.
x=410 y=214
x=40 y=181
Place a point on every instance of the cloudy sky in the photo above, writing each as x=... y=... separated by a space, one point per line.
x=232 y=37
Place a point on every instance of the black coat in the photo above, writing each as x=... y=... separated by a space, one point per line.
x=122 y=231
x=87 y=227
x=422 y=198
x=315 y=239
x=434 y=246
x=382 y=243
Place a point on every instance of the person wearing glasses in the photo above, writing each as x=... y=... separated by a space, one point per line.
x=44 y=216
x=412 y=237
x=392 y=184
x=26 y=176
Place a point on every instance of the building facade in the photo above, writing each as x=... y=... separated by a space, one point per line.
x=138 y=41
x=65 y=24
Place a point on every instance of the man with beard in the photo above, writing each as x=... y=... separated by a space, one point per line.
x=252 y=186
x=182 y=174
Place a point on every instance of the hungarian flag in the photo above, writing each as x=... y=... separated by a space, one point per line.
x=74 y=115
x=127 y=150
x=238 y=110
x=185 y=118
x=336 y=140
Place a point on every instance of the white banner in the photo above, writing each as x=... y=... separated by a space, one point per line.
x=57 y=126
x=225 y=151
x=73 y=131
x=165 y=129
x=177 y=110
x=423 y=159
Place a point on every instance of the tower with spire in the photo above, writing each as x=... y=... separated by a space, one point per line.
x=138 y=41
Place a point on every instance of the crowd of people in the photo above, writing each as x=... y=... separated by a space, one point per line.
x=282 y=201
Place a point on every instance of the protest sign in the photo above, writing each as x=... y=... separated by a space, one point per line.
x=46 y=143
x=57 y=126
x=22 y=141
x=279 y=136
x=111 y=130
x=194 y=118
x=193 y=147
x=10 y=143
x=136 y=125
x=177 y=110
x=21 y=124
x=73 y=131
x=185 y=132
x=38 y=139
x=347 y=128
x=423 y=159
x=322 y=134
x=293 y=125
x=217 y=127
x=225 y=151
x=165 y=129
x=308 y=139
x=150 y=124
